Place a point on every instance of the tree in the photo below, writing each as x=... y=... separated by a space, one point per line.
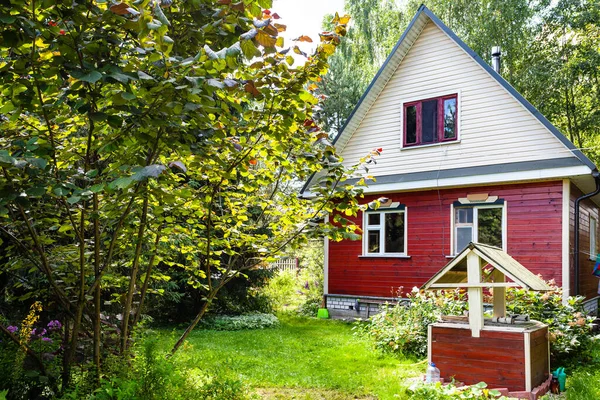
x=135 y=134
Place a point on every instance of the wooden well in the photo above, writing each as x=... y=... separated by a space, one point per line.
x=501 y=351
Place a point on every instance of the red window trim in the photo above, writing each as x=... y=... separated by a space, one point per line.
x=440 y=120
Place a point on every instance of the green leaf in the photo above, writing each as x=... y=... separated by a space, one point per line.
x=215 y=83
x=97 y=188
x=121 y=183
x=151 y=171
x=5 y=159
x=73 y=199
x=115 y=121
x=65 y=228
x=120 y=77
x=154 y=25
x=90 y=77
x=265 y=3
x=158 y=13
x=61 y=191
x=98 y=116
x=144 y=75
x=7 y=19
x=128 y=96
x=248 y=48
x=37 y=191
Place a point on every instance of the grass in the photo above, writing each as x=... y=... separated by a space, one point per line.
x=301 y=359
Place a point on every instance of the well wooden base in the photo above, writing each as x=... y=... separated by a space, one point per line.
x=515 y=357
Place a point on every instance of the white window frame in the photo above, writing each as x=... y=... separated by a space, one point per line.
x=593 y=237
x=475 y=232
x=381 y=229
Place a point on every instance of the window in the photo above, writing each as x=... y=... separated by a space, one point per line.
x=430 y=121
x=384 y=232
x=593 y=230
x=480 y=224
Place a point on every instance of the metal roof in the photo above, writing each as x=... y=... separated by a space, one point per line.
x=454 y=274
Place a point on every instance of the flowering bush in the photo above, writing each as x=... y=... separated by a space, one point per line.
x=569 y=327
x=31 y=340
x=402 y=328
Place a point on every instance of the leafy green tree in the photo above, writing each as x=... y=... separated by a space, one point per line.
x=146 y=133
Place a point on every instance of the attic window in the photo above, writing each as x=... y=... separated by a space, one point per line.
x=430 y=121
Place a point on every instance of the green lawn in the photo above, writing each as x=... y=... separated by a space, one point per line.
x=302 y=359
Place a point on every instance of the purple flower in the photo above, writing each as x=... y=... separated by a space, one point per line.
x=38 y=332
x=12 y=329
x=54 y=324
x=47 y=339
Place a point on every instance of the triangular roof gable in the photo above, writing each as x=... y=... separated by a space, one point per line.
x=396 y=56
x=498 y=259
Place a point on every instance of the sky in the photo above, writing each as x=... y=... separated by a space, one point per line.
x=304 y=17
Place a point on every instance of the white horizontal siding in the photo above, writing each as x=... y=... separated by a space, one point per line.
x=494 y=128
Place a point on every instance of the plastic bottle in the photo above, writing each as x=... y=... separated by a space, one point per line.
x=432 y=374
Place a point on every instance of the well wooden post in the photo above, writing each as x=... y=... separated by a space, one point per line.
x=499 y=295
x=475 y=294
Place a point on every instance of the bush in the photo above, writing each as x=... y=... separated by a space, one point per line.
x=424 y=391
x=300 y=291
x=240 y=322
x=150 y=375
x=569 y=327
x=282 y=291
x=402 y=328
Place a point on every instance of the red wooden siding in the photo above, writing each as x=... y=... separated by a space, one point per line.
x=538 y=344
x=534 y=212
x=588 y=284
x=496 y=358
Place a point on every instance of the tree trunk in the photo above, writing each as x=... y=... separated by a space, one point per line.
x=133 y=276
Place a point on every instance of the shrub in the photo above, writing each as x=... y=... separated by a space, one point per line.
x=424 y=391
x=282 y=291
x=569 y=327
x=150 y=375
x=240 y=322
x=300 y=291
x=402 y=328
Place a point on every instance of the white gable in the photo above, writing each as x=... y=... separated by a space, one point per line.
x=495 y=127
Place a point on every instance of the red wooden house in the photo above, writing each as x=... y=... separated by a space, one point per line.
x=465 y=158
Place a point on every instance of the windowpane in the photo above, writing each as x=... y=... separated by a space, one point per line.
x=449 y=118
x=464 y=236
x=373 y=244
x=411 y=124
x=489 y=230
x=464 y=216
x=374 y=219
x=394 y=232
x=429 y=112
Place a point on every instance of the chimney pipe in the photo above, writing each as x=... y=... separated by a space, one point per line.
x=496 y=52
